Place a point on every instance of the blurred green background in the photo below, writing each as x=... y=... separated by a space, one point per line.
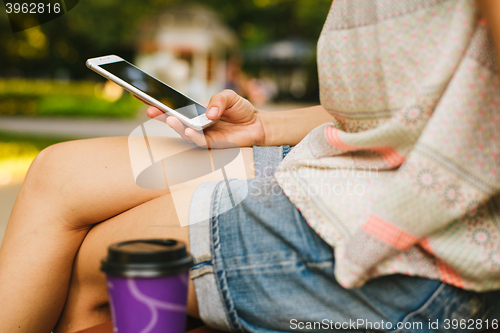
x=43 y=72
x=98 y=27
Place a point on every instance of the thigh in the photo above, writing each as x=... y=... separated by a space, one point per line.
x=91 y=179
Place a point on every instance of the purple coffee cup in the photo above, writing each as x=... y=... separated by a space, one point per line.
x=147 y=285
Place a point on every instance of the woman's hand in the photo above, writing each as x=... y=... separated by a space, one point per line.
x=240 y=123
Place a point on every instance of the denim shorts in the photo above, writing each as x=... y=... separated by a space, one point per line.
x=259 y=267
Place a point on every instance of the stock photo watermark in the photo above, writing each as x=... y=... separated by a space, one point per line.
x=181 y=167
x=365 y=324
x=26 y=14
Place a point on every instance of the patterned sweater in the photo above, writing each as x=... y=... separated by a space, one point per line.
x=406 y=178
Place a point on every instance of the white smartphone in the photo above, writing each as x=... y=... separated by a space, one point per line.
x=151 y=90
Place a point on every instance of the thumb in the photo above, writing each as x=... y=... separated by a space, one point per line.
x=220 y=102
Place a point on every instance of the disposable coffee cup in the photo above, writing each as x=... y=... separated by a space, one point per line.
x=147 y=285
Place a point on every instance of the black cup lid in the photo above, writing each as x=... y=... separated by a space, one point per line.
x=147 y=258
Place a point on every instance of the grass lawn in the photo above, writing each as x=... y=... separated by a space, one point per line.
x=17 y=151
x=71 y=99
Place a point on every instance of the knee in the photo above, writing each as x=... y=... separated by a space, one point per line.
x=48 y=174
x=46 y=167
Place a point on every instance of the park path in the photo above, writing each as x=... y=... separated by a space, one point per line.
x=70 y=128
x=89 y=128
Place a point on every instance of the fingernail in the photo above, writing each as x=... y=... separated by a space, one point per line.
x=213 y=111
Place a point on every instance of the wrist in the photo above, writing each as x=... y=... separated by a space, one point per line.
x=266 y=122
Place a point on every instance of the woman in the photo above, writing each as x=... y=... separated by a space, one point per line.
x=413 y=91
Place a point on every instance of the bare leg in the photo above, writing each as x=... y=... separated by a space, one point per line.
x=87 y=303
x=69 y=187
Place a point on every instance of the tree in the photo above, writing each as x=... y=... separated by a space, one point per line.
x=96 y=27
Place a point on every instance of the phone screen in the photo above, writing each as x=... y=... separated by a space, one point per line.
x=155 y=88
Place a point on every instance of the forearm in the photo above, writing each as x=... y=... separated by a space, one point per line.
x=290 y=127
